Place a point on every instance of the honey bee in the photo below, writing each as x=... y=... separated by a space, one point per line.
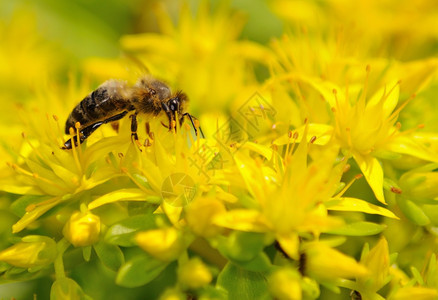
x=114 y=99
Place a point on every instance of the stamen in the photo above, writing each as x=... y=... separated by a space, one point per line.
x=386 y=95
x=289 y=135
x=356 y=177
x=350 y=142
x=35 y=176
x=24 y=136
x=77 y=126
x=290 y=153
x=399 y=109
x=32 y=206
x=396 y=190
x=53 y=134
x=73 y=147
x=363 y=96
x=173 y=126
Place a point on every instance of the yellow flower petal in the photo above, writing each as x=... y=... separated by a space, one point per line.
x=34 y=214
x=242 y=219
x=120 y=195
x=354 y=204
x=372 y=170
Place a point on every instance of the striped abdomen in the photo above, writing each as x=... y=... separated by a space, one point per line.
x=104 y=102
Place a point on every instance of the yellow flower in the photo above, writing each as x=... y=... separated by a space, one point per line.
x=285 y=284
x=325 y=263
x=293 y=197
x=368 y=130
x=32 y=251
x=165 y=244
x=200 y=214
x=194 y=274
x=377 y=262
x=410 y=33
x=199 y=54
x=83 y=229
x=414 y=292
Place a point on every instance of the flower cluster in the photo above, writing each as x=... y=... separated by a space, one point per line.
x=316 y=175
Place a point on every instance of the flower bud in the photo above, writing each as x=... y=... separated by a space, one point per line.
x=32 y=251
x=325 y=263
x=377 y=262
x=200 y=214
x=194 y=274
x=66 y=288
x=420 y=185
x=165 y=244
x=83 y=229
x=285 y=284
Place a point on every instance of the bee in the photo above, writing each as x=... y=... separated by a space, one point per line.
x=114 y=99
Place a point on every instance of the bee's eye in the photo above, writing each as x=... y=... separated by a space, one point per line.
x=173 y=105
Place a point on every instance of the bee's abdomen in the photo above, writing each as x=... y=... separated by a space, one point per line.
x=97 y=106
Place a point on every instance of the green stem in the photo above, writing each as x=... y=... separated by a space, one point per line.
x=203 y=249
x=62 y=246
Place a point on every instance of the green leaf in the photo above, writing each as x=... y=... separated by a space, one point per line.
x=261 y=263
x=241 y=284
x=86 y=253
x=242 y=246
x=123 y=233
x=359 y=229
x=66 y=288
x=140 y=270
x=213 y=293
x=110 y=255
x=412 y=211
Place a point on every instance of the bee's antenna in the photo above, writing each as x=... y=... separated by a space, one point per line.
x=193 y=124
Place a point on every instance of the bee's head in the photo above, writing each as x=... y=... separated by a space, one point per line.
x=177 y=105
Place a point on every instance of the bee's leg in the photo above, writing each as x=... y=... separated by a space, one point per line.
x=193 y=123
x=134 y=126
x=87 y=131
x=168 y=114
x=83 y=135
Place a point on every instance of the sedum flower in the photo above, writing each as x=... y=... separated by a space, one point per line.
x=285 y=284
x=198 y=53
x=194 y=274
x=377 y=262
x=328 y=264
x=411 y=292
x=367 y=130
x=165 y=244
x=82 y=229
x=32 y=251
x=200 y=214
x=289 y=199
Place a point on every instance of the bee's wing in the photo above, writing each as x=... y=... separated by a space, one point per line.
x=135 y=65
